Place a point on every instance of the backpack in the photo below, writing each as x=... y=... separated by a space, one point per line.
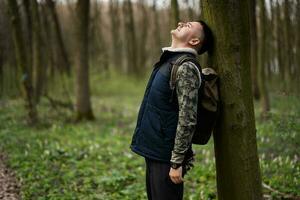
x=208 y=99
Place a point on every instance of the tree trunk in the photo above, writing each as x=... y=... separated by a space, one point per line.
x=265 y=102
x=37 y=61
x=156 y=31
x=115 y=32
x=280 y=45
x=237 y=163
x=143 y=36
x=288 y=55
x=253 y=35
x=22 y=62
x=174 y=19
x=298 y=47
x=28 y=40
x=82 y=89
x=63 y=59
x=130 y=38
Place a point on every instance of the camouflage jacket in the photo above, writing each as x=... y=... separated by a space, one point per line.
x=188 y=81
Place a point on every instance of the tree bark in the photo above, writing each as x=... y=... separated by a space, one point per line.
x=265 y=101
x=22 y=62
x=82 y=89
x=237 y=163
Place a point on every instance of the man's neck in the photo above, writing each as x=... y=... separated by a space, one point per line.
x=176 y=44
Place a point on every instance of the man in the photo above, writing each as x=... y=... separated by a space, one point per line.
x=164 y=127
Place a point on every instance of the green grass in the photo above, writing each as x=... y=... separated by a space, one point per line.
x=58 y=159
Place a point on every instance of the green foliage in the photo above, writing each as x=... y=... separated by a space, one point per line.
x=92 y=160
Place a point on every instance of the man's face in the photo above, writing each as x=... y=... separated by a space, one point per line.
x=189 y=33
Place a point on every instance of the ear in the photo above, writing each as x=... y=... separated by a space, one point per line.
x=194 y=41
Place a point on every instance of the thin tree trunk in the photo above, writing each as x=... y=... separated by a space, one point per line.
x=288 y=46
x=131 y=44
x=143 y=37
x=22 y=62
x=174 y=14
x=298 y=47
x=237 y=163
x=156 y=31
x=115 y=32
x=82 y=89
x=280 y=45
x=98 y=50
x=62 y=53
x=253 y=36
x=265 y=102
x=1 y=70
x=28 y=40
x=38 y=64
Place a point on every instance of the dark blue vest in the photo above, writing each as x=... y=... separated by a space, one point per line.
x=158 y=117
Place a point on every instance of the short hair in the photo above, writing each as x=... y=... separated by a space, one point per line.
x=207 y=43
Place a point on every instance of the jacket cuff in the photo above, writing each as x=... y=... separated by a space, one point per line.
x=177 y=158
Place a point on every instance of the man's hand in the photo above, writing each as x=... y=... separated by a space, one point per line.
x=176 y=175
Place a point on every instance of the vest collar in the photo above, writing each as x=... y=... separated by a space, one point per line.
x=181 y=50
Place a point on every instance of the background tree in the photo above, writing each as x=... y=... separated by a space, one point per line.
x=237 y=164
x=130 y=39
x=174 y=14
x=262 y=59
x=63 y=58
x=115 y=22
x=253 y=35
x=39 y=71
x=82 y=89
x=22 y=61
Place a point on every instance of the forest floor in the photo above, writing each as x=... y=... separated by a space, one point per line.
x=9 y=186
x=59 y=159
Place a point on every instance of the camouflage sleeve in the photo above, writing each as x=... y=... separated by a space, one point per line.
x=187 y=85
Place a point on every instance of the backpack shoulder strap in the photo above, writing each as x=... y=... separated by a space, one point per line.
x=177 y=63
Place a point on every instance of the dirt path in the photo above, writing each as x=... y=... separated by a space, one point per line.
x=9 y=187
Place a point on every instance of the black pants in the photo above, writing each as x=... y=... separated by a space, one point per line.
x=158 y=183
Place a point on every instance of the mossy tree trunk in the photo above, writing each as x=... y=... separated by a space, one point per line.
x=82 y=90
x=237 y=163
x=22 y=61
